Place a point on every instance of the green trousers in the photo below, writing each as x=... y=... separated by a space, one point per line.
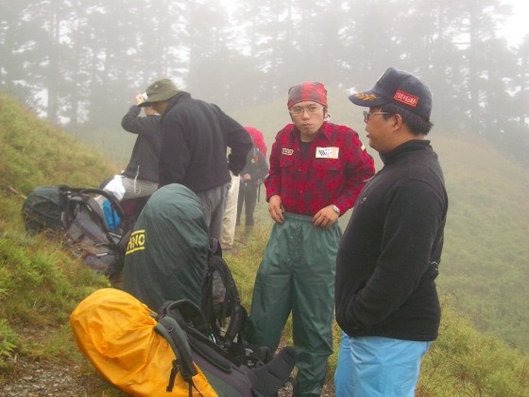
x=297 y=276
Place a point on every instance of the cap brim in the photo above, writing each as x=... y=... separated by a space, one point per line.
x=367 y=99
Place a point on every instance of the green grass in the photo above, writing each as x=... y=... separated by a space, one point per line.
x=39 y=282
x=463 y=362
x=483 y=273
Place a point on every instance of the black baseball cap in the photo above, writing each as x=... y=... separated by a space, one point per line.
x=399 y=88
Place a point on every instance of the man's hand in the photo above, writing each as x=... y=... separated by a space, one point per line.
x=276 y=209
x=139 y=99
x=246 y=177
x=325 y=217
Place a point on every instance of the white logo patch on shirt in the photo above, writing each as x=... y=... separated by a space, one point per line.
x=287 y=151
x=330 y=152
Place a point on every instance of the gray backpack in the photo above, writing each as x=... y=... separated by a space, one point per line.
x=88 y=220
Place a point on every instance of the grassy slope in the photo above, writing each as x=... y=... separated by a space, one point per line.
x=486 y=260
x=40 y=284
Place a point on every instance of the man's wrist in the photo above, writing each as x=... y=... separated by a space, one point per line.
x=336 y=209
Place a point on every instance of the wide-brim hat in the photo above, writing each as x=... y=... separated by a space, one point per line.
x=160 y=90
x=400 y=88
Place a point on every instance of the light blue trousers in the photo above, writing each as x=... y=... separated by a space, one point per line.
x=375 y=366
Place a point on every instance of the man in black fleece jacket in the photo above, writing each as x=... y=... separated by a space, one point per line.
x=195 y=138
x=388 y=259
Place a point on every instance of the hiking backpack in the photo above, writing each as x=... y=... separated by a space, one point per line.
x=115 y=331
x=42 y=209
x=90 y=221
x=166 y=354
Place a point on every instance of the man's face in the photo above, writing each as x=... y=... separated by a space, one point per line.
x=160 y=107
x=150 y=111
x=308 y=116
x=379 y=130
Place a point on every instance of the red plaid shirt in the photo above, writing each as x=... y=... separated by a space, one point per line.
x=333 y=171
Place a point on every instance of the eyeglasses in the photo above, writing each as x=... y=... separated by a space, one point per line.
x=367 y=115
x=299 y=110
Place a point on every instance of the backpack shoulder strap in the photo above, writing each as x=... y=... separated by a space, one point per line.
x=173 y=333
x=192 y=322
x=268 y=379
x=186 y=313
x=116 y=206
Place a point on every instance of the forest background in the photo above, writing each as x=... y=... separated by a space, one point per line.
x=79 y=63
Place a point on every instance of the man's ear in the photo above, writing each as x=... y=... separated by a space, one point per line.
x=397 y=121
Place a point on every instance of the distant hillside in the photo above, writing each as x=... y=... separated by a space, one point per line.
x=485 y=267
x=483 y=273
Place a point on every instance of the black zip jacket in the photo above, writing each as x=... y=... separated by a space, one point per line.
x=144 y=159
x=195 y=138
x=390 y=252
x=256 y=166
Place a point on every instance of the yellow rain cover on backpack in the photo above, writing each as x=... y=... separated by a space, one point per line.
x=116 y=332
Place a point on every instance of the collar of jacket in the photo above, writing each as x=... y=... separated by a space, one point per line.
x=325 y=131
x=182 y=95
x=406 y=147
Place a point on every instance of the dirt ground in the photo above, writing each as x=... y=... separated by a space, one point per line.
x=42 y=379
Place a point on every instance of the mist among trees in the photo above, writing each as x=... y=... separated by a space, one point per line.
x=73 y=61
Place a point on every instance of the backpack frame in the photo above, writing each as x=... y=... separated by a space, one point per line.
x=77 y=215
x=221 y=302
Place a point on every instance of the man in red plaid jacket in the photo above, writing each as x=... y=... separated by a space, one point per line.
x=317 y=170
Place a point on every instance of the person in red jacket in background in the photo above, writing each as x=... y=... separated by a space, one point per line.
x=257 y=139
x=252 y=176
x=317 y=170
